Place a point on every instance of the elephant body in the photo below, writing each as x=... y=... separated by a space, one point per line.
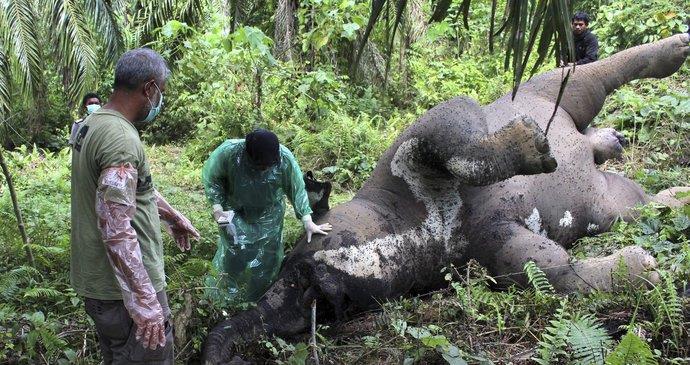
x=470 y=182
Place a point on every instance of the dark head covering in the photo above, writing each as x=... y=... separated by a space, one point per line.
x=263 y=147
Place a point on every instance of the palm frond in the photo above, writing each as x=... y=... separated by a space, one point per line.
x=149 y=15
x=242 y=9
x=376 y=8
x=399 y=9
x=560 y=18
x=74 y=46
x=526 y=22
x=5 y=79
x=492 y=25
x=22 y=35
x=537 y=21
x=152 y=14
x=191 y=11
x=440 y=11
x=516 y=26
x=103 y=14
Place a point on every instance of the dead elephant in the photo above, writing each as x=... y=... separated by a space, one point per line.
x=470 y=182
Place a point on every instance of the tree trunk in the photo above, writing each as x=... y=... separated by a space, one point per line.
x=235 y=13
x=258 y=93
x=17 y=212
x=285 y=29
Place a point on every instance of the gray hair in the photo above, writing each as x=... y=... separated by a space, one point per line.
x=138 y=66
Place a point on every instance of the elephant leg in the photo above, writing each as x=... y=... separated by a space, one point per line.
x=453 y=138
x=566 y=275
x=673 y=197
x=589 y=84
x=607 y=143
x=519 y=148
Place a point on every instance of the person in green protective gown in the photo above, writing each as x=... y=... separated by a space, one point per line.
x=246 y=182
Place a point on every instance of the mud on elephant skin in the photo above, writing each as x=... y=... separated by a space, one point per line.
x=470 y=182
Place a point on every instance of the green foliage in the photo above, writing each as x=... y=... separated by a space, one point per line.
x=621 y=24
x=631 y=350
x=667 y=310
x=588 y=340
x=323 y=22
x=579 y=339
x=538 y=279
x=554 y=339
x=42 y=293
x=438 y=80
x=10 y=281
x=287 y=354
x=226 y=83
x=53 y=52
x=639 y=109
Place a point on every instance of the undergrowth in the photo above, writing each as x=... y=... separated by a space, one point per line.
x=339 y=129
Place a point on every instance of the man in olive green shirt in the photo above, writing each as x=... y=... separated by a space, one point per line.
x=117 y=250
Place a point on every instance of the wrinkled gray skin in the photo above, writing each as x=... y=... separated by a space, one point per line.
x=469 y=182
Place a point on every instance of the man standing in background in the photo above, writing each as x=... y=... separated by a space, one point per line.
x=117 y=251
x=89 y=104
x=586 y=43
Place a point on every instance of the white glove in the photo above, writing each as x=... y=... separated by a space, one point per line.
x=224 y=219
x=312 y=227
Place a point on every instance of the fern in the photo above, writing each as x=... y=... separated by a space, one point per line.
x=631 y=350
x=588 y=340
x=50 y=250
x=45 y=337
x=579 y=339
x=174 y=260
x=196 y=267
x=46 y=293
x=553 y=342
x=667 y=307
x=11 y=280
x=538 y=279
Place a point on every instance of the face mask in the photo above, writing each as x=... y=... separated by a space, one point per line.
x=92 y=108
x=154 y=109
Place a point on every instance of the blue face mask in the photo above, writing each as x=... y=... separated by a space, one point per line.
x=92 y=108
x=153 y=112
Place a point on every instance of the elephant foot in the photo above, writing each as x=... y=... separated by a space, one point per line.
x=666 y=56
x=607 y=144
x=532 y=147
x=604 y=273
x=674 y=197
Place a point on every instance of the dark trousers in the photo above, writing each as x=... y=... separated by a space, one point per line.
x=116 y=334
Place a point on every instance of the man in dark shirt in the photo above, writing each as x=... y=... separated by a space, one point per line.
x=586 y=44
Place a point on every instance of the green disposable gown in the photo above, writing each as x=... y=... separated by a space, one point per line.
x=246 y=264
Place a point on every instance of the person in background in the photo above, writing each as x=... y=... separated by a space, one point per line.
x=246 y=181
x=89 y=104
x=116 y=259
x=586 y=43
